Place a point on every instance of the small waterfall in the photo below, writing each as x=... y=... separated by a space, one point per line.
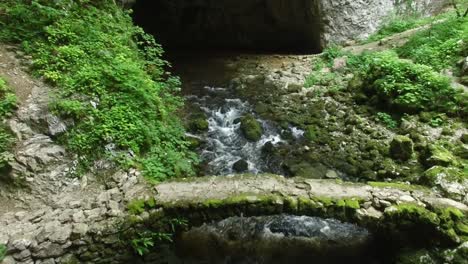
x=277 y=239
x=225 y=144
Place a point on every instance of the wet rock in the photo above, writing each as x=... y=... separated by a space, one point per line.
x=198 y=124
x=268 y=148
x=464 y=138
x=240 y=166
x=401 y=148
x=251 y=128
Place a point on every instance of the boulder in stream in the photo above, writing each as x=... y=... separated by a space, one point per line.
x=251 y=128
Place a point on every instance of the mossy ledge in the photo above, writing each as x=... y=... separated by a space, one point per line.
x=409 y=215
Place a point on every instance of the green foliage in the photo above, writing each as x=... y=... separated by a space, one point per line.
x=111 y=79
x=143 y=238
x=7 y=105
x=146 y=240
x=332 y=52
x=320 y=78
x=7 y=100
x=405 y=87
x=3 y=250
x=440 y=46
x=387 y=120
x=396 y=25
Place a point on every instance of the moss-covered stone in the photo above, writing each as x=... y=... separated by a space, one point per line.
x=198 y=124
x=432 y=175
x=307 y=170
x=251 y=128
x=439 y=156
x=139 y=206
x=402 y=148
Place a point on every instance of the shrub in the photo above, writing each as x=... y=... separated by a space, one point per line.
x=405 y=87
x=111 y=79
x=7 y=104
x=440 y=46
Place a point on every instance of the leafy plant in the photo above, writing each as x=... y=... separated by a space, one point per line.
x=405 y=87
x=3 y=250
x=112 y=82
x=439 y=47
x=145 y=238
x=7 y=105
x=387 y=120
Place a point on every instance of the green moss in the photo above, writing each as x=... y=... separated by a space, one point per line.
x=291 y=204
x=415 y=213
x=199 y=124
x=440 y=156
x=138 y=206
x=251 y=128
x=352 y=203
x=451 y=174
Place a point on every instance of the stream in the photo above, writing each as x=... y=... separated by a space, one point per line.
x=225 y=145
x=252 y=240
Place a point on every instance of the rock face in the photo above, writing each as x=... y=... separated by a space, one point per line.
x=270 y=24
x=349 y=20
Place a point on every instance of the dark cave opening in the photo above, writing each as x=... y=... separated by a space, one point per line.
x=232 y=25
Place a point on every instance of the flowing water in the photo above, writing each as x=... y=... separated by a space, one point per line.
x=225 y=143
x=245 y=240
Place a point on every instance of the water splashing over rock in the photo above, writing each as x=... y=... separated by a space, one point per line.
x=277 y=239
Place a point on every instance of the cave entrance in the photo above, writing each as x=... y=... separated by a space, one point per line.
x=233 y=25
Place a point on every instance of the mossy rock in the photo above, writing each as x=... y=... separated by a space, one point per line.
x=198 y=124
x=307 y=170
x=462 y=151
x=401 y=148
x=251 y=128
x=439 y=156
